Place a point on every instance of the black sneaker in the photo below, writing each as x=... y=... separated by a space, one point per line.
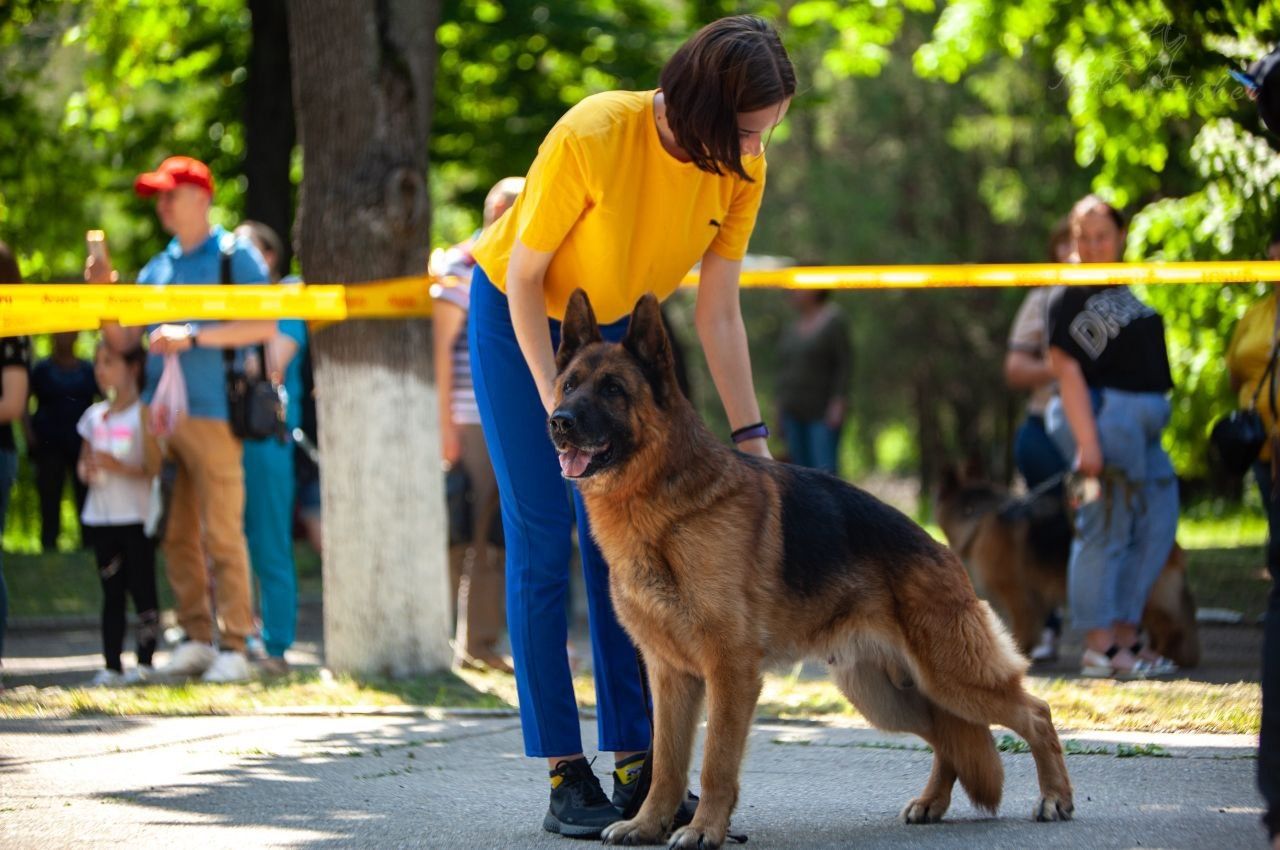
x=626 y=779
x=579 y=808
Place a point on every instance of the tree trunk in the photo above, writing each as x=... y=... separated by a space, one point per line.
x=363 y=89
x=269 y=126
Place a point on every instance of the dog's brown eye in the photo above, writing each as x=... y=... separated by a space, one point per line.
x=611 y=387
x=568 y=385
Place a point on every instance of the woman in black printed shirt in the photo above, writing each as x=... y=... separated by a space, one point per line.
x=1107 y=351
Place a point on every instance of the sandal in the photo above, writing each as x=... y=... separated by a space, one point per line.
x=1158 y=666
x=1101 y=665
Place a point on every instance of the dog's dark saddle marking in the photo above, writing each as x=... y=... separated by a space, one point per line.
x=829 y=527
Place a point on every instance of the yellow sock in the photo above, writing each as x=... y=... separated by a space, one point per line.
x=628 y=770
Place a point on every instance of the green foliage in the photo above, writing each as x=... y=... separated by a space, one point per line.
x=98 y=91
x=506 y=74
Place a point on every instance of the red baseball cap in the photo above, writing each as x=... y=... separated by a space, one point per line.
x=174 y=170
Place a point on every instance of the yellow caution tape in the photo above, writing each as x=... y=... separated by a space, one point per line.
x=1022 y=274
x=48 y=308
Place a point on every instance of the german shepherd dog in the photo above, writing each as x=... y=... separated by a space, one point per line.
x=722 y=563
x=1016 y=552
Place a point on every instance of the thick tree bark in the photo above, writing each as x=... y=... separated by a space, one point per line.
x=269 y=125
x=362 y=87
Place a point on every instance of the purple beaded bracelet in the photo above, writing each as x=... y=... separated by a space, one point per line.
x=750 y=432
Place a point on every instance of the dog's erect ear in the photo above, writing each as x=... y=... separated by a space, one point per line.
x=648 y=343
x=578 y=330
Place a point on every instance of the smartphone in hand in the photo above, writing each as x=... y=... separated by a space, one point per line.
x=98 y=267
x=96 y=242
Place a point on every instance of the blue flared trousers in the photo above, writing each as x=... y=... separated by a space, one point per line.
x=268 y=528
x=538 y=515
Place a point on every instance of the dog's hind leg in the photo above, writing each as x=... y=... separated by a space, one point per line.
x=889 y=700
x=677 y=703
x=1029 y=717
x=971 y=670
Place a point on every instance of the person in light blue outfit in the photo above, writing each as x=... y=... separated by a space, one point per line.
x=1107 y=351
x=269 y=478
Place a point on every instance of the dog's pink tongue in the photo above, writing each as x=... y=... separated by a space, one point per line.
x=573 y=462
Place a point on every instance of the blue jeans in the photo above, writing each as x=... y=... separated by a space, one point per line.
x=1122 y=539
x=268 y=529
x=1034 y=452
x=8 y=474
x=1269 y=739
x=538 y=520
x=811 y=442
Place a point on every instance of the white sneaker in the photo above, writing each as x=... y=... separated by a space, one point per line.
x=1047 y=649
x=189 y=659
x=229 y=667
x=138 y=675
x=106 y=678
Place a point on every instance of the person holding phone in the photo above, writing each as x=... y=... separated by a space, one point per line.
x=206 y=511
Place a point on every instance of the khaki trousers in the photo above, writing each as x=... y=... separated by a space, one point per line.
x=206 y=517
x=477 y=567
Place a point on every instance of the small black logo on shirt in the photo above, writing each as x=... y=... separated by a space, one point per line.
x=713 y=223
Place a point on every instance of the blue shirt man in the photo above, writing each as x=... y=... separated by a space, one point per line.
x=206 y=508
x=203 y=368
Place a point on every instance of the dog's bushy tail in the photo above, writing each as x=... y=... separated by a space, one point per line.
x=969 y=748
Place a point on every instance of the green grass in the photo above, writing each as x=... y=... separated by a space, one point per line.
x=1226 y=567
x=1176 y=706
x=1168 y=706
x=1234 y=530
x=311 y=688
x=66 y=583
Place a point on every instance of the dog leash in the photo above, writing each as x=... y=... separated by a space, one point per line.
x=1034 y=493
x=1009 y=506
x=645 y=779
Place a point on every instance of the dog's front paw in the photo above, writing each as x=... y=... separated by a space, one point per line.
x=631 y=832
x=925 y=810
x=1051 y=808
x=694 y=837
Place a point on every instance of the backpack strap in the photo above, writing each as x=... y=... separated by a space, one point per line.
x=226 y=252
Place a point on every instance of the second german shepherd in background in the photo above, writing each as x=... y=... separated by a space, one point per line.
x=1016 y=552
x=721 y=563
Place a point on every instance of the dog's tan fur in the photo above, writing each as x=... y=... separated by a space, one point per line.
x=1025 y=581
x=695 y=537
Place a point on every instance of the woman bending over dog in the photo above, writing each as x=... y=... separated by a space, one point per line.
x=629 y=190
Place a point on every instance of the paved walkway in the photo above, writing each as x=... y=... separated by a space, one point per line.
x=415 y=781
x=241 y=782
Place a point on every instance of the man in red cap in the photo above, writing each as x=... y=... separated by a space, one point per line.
x=206 y=513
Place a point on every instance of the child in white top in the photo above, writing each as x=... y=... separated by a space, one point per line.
x=118 y=460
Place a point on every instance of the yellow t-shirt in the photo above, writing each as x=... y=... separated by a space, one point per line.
x=622 y=215
x=1247 y=358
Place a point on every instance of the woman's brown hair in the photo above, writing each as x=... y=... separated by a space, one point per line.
x=732 y=65
x=1088 y=204
x=1061 y=234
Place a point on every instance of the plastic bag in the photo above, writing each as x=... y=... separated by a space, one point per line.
x=169 y=404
